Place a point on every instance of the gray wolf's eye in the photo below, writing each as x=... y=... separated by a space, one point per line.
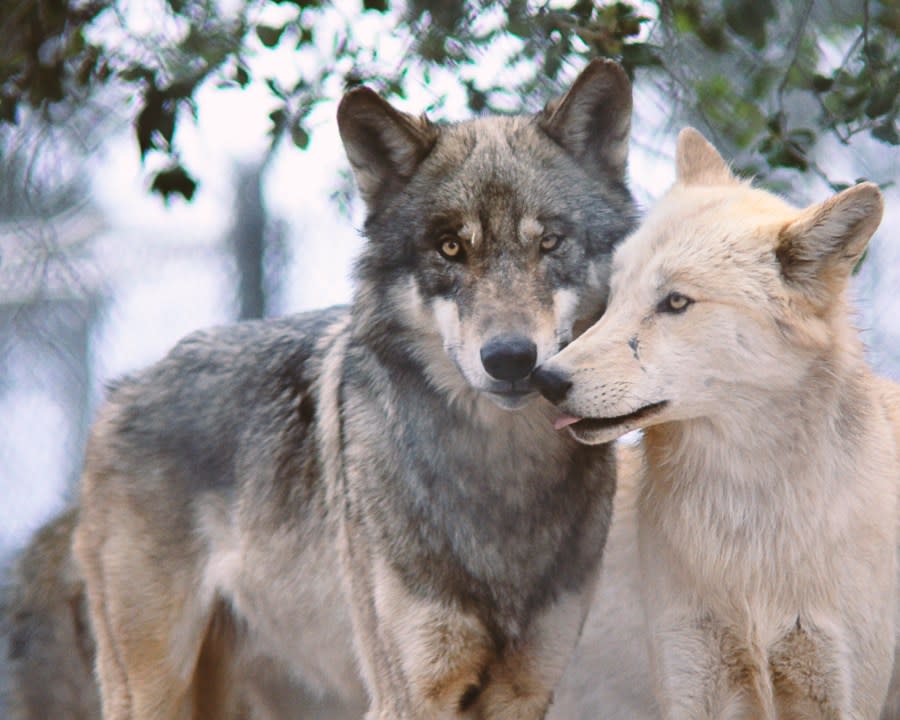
x=549 y=243
x=451 y=248
x=674 y=302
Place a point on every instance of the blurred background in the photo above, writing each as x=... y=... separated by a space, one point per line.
x=170 y=165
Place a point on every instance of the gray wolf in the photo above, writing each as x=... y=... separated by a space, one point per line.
x=376 y=490
x=767 y=508
x=50 y=652
x=50 y=649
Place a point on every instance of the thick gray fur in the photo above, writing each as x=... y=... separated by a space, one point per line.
x=338 y=492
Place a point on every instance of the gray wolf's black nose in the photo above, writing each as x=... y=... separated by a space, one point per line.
x=552 y=384
x=509 y=357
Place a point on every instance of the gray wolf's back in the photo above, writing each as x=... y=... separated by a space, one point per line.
x=200 y=405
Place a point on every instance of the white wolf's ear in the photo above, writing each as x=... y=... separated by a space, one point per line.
x=593 y=119
x=819 y=249
x=384 y=146
x=697 y=162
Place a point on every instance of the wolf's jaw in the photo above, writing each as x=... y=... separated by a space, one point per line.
x=511 y=400
x=592 y=431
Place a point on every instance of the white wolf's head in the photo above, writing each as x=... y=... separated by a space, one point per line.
x=725 y=294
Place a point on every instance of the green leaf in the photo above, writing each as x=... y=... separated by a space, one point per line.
x=174 y=180
x=762 y=81
x=802 y=137
x=477 y=99
x=641 y=55
x=552 y=61
x=87 y=66
x=887 y=133
x=875 y=52
x=181 y=89
x=881 y=101
x=137 y=72
x=747 y=18
x=381 y=6
x=820 y=83
x=48 y=83
x=299 y=3
x=166 y=124
x=685 y=16
x=433 y=47
x=278 y=117
x=889 y=18
x=713 y=36
x=147 y=121
x=8 y=109
x=518 y=22
x=779 y=153
x=300 y=136
x=242 y=75
x=275 y=88
x=582 y=8
x=75 y=44
x=268 y=35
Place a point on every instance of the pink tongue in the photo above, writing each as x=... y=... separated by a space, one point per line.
x=564 y=421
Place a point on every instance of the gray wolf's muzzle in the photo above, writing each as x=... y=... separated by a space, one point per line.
x=552 y=384
x=509 y=357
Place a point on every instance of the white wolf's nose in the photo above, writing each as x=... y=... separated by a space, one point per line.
x=509 y=357
x=552 y=384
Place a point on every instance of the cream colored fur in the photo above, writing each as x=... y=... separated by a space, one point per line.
x=766 y=513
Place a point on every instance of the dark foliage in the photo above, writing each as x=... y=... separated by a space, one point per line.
x=760 y=75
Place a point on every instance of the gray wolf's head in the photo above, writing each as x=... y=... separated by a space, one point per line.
x=724 y=298
x=489 y=240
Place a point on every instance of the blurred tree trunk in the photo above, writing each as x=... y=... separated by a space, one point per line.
x=247 y=241
x=257 y=242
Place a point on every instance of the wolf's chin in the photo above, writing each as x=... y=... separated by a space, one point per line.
x=511 y=401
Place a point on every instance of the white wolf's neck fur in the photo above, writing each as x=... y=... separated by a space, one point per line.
x=754 y=504
x=767 y=520
x=753 y=467
x=764 y=521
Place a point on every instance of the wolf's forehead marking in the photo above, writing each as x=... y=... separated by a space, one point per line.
x=470 y=233
x=499 y=221
x=530 y=228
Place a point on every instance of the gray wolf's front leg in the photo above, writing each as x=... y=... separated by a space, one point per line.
x=424 y=659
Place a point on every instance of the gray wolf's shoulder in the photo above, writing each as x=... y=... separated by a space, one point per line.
x=215 y=394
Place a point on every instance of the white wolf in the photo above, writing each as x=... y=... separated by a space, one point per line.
x=767 y=505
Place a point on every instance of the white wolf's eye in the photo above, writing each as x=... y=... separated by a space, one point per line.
x=549 y=243
x=451 y=248
x=674 y=302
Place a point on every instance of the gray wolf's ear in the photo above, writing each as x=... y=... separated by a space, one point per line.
x=593 y=119
x=384 y=146
x=819 y=249
x=697 y=162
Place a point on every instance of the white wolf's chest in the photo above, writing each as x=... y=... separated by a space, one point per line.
x=757 y=549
